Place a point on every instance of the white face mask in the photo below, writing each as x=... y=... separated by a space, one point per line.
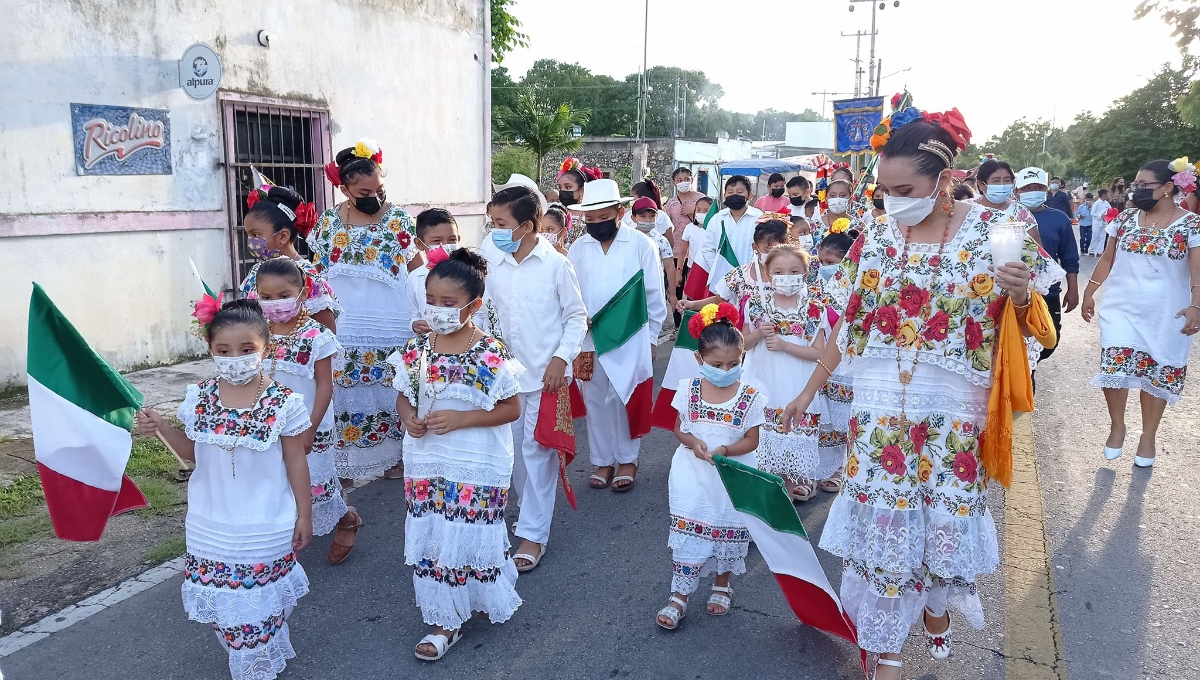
x=805 y=241
x=239 y=370
x=839 y=205
x=762 y=258
x=444 y=320
x=644 y=227
x=788 y=285
x=909 y=211
x=683 y=187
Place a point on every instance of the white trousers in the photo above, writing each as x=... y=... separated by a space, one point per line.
x=535 y=474
x=1097 y=245
x=607 y=422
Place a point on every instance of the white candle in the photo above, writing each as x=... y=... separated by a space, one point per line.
x=1007 y=241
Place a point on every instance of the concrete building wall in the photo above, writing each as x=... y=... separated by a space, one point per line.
x=113 y=251
x=612 y=154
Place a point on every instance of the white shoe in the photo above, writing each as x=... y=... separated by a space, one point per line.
x=1112 y=453
x=440 y=643
x=1138 y=461
x=886 y=662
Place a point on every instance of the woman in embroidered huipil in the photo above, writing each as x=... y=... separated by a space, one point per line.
x=249 y=507
x=921 y=296
x=362 y=246
x=718 y=414
x=459 y=390
x=1150 y=311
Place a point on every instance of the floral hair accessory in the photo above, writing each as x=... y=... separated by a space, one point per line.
x=575 y=164
x=203 y=311
x=333 y=173
x=839 y=225
x=306 y=219
x=1179 y=164
x=767 y=217
x=711 y=314
x=870 y=193
x=368 y=148
x=436 y=256
x=953 y=123
x=1185 y=175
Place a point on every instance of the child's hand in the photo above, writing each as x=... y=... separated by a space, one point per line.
x=773 y=342
x=421 y=327
x=700 y=449
x=681 y=306
x=302 y=534
x=445 y=422
x=766 y=327
x=555 y=377
x=415 y=426
x=149 y=422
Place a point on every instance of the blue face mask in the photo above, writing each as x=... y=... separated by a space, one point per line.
x=1032 y=199
x=999 y=193
x=502 y=239
x=718 y=377
x=828 y=270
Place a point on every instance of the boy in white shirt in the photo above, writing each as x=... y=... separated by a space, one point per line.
x=436 y=231
x=542 y=321
x=620 y=277
x=645 y=216
x=1099 y=208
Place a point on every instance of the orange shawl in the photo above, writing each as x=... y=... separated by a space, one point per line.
x=1012 y=386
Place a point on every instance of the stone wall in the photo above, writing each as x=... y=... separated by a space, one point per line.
x=614 y=154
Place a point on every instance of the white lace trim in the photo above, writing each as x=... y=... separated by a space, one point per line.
x=322 y=302
x=793 y=455
x=455 y=544
x=450 y=606
x=327 y=513
x=367 y=463
x=392 y=341
x=291 y=414
x=916 y=400
x=366 y=271
x=364 y=399
x=507 y=384
x=227 y=607
x=1132 y=382
x=883 y=623
x=264 y=662
x=716 y=558
x=957 y=366
x=904 y=540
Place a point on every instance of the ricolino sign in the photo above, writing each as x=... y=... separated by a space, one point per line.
x=120 y=140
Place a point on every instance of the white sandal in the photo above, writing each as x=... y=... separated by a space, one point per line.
x=675 y=614
x=938 y=643
x=722 y=597
x=887 y=662
x=533 y=561
x=440 y=642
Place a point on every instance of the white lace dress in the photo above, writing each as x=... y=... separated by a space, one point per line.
x=781 y=377
x=911 y=522
x=456 y=485
x=294 y=365
x=707 y=535
x=240 y=574
x=368 y=266
x=1141 y=346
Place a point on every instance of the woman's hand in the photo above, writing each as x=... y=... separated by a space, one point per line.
x=1088 y=309
x=1191 y=317
x=415 y=426
x=149 y=422
x=1014 y=278
x=302 y=534
x=445 y=422
x=794 y=413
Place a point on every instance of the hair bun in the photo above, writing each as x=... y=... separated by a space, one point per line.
x=243 y=303
x=471 y=258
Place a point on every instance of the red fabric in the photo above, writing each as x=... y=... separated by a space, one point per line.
x=696 y=286
x=80 y=512
x=814 y=607
x=578 y=409
x=664 y=415
x=640 y=409
x=560 y=436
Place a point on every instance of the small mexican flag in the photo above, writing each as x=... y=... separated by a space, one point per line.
x=763 y=502
x=696 y=286
x=681 y=366
x=727 y=259
x=621 y=333
x=82 y=412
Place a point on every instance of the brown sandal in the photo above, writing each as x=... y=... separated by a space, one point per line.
x=338 y=552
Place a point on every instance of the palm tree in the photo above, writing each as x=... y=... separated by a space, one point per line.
x=540 y=126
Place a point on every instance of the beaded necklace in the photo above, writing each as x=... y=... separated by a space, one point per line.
x=262 y=388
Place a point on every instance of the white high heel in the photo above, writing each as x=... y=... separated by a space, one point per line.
x=1112 y=453
x=1141 y=462
x=886 y=662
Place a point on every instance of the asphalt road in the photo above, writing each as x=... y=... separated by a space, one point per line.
x=1123 y=540
x=588 y=613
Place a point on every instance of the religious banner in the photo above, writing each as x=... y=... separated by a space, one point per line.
x=856 y=120
x=121 y=140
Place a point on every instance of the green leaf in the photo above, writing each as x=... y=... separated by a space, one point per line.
x=953 y=443
x=879 y=438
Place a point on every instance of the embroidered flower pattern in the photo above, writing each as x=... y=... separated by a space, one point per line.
x=1138 y=364
x=456 y=577
x=363 y=365
x=1171 y=241
x=383 y=245
x=250 y=635
x=455 y=501
x=220 y=574
x=690 y=527
x=701 y=411
x=254 y=423
x=478 y=367
x=365 y=430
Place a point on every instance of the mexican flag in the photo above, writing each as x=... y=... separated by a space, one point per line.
x=764 y=504
x=727 y=259
x=621 y=333
x=681 y=366
x=696 y=286
x=82 y=412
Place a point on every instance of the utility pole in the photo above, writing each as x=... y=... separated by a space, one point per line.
x=641 y=150
x=873 y=86
x=823 y=93
x=857 y=59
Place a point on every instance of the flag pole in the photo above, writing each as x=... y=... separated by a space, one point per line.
x=161 y=438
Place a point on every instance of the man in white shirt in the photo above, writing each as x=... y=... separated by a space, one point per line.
x=1099 y=208
x=736 y=224
x=610 y=259
x=541 y=319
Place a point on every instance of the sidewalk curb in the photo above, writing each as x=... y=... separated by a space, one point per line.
x=1033 y=644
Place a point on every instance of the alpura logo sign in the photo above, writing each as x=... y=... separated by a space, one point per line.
x=121 y=140
x=200 y=72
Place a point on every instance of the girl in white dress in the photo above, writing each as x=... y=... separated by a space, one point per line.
x=363 y=247
x=1150 y=311
x=717 y=415
x=459 y=390
x=789 y=330
x=303 y=360
x=737 y=286
x=249 y=507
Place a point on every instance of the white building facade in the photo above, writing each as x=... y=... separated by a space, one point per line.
x=93 y=86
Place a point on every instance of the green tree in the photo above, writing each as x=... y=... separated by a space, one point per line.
x=506 y=34
x=1182 y=15
x=1141 y=126
x=1189 y=105
x=539 y=126
x=510 y=160
x=675 y=91
x=504 y=90
x=612 y=103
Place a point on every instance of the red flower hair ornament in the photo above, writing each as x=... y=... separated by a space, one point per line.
x=953 y=123
x=710 y=314
x=333 y=173
x=306 y=219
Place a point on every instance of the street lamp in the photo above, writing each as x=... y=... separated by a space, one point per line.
x=873 y=84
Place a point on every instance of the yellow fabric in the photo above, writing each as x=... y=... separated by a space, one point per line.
x=1012 y=386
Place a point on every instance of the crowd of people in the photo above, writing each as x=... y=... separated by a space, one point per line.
x=850 y=338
